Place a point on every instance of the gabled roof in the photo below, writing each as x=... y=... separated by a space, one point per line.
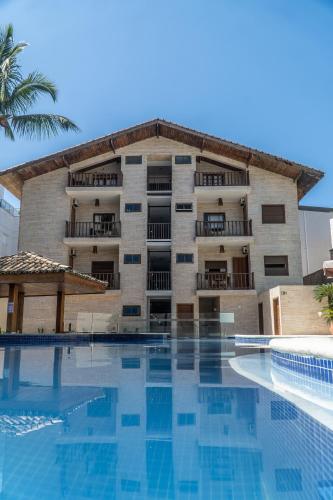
x=32 y=263
x=305 y=177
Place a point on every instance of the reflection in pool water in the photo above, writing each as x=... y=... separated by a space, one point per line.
x=135 y=422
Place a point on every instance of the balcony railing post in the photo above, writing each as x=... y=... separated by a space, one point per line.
x=208 y=179
x=224 y=281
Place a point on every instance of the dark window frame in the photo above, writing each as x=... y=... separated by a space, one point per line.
x=267 y=219
x=183 y=160
x=178 y=209
x=130 y=257
x=126 y=312
x=269 y=268
x=138 y=205
x=133 y=160
x=178 y=261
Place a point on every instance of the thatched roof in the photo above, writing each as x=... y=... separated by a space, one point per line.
x=305 y=177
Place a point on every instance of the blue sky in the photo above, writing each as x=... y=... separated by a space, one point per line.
x=253 y=71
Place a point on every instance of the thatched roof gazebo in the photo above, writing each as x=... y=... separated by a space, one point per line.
x=27 y=274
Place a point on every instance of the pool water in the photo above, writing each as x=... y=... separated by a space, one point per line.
x=136 y=421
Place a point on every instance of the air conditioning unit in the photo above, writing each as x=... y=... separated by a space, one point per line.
x=245 y=250
x=242 y=202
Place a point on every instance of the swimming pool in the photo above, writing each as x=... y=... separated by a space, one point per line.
x=137 y=421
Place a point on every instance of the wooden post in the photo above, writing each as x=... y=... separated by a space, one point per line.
x=60 y=312
x=12 y=308
x=20 y=312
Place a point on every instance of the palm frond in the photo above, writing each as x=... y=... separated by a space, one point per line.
x=38 y=126
x=26 y=93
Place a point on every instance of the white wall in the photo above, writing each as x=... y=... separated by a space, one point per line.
x=316 y=237
x=9 y=227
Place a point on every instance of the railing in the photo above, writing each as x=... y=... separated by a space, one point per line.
x=225 y=281
x=159 y=280
x=224 y=228
x=159 y=183
x=93 y=229
x=221 y=179
x=112 y=279
x=94 y=180
x=159 y=231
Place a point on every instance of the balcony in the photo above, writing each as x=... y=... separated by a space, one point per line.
x=94 y=185
x=229 y=185
x=92 y=233
x=159 y=183
x=225 y=281
x=159 y=231
x=112 y=279
x=232 y=232
x=159 y=280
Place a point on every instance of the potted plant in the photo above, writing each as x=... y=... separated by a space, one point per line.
x=325 y=291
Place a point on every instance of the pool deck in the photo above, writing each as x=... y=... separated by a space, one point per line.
x=319 y=347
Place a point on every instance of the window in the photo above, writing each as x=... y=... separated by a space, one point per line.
x=276 y=265
x=132 y=258
x=131 y=310
x=133 y=160
x=184 y=207
x=273 y=214
x=133 y=207
x=183 y=160
x=184 y=258
x=130 y=363
x=186 y=419
x=130 y=420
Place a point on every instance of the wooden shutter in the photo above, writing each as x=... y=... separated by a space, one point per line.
x=273 y=214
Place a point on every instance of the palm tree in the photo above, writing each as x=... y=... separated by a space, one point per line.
x=19 y=94
x=322 y=292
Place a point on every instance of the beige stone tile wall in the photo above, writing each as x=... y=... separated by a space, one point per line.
x=245 y=308
x=299 y=311
x=233 y=211
x=85 y=256
x=274 y=239
x=213 y=253
x=86 y=210
x=45 y=207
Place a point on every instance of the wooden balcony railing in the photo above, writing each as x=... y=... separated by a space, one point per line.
x=112 y=279
x=225 y=281
x=221 y=179
x=94 y=180
x=159 y=280
x=93 y=229
x=226 y=228
x=159 y=231
x=159 y=183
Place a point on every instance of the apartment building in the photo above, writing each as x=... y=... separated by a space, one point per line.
x=9 y=226
x=180 y=224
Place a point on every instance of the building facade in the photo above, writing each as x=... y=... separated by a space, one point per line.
x=316 y=226
x=182 y=225
x=9 y=226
